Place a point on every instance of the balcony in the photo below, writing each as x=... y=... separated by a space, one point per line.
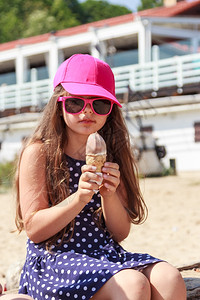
x=177 y=75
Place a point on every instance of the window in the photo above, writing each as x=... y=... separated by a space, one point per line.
x=148 y=129
x=197 y=132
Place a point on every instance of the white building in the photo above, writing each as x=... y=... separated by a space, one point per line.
x=155 y=57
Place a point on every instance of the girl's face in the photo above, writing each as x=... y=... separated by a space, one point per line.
x=85 y=122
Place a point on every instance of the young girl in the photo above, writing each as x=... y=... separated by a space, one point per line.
x=73 y=249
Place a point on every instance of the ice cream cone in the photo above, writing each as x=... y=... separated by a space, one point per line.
x=96 y=160
x=96 y=154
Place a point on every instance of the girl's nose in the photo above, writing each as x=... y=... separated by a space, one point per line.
x=88 y=109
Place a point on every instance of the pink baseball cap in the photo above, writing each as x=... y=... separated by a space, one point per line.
x=85 y=75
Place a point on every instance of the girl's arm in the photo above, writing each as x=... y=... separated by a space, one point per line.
x=41 y=221
x=113 y=203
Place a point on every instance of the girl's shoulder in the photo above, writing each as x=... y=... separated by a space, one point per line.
x=34 y=152
x=32 y=165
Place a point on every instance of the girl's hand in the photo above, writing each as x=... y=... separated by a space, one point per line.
x=87 y=183
x=111 y=179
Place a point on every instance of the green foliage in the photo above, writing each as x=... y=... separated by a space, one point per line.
x=97 y=10
x=9 y=25
x=13 y=17
x=146 y=4
x=7 y=173
x=65 y=14
x=23 y=18
x=39 y=22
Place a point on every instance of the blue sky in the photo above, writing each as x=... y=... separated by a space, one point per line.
x=131 y=4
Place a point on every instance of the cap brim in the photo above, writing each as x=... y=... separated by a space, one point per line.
x=88 y=90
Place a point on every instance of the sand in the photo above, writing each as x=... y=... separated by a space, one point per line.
x=172 y=229
x=171 y=232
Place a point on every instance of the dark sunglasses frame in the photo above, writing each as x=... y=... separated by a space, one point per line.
x=86 y=101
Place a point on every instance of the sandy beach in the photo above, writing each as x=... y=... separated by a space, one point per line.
x=171 y=231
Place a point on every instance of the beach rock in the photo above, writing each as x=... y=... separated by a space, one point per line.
x=191 y=276
x=193 y=288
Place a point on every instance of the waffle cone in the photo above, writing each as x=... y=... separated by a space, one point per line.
x=96 y=160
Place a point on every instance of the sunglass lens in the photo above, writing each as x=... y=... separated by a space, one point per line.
x=73 y=105
x=102 y=106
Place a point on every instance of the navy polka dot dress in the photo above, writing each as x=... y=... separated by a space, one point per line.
x=80 y=267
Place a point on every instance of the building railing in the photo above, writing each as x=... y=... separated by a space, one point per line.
x=33 y=94
x=152 y=76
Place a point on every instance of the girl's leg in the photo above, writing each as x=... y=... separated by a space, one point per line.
x=15 y=297
x=125 y=285
x=166 y=282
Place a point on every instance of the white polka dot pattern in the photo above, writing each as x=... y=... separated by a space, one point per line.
x=80 y=267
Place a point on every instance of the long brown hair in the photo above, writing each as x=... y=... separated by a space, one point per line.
x=51 y=132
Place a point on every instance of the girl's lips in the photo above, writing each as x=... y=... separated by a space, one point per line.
x=87 y=121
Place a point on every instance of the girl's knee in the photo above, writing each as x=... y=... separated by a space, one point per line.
x=166 y=280
x=134 y=283
x=143 y=286
x=140 y=281
x=174 y=275
x=169 y=273
x=124 y=285
x=174 y=279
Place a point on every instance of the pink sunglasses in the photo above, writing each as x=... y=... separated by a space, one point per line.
x=75 y=105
